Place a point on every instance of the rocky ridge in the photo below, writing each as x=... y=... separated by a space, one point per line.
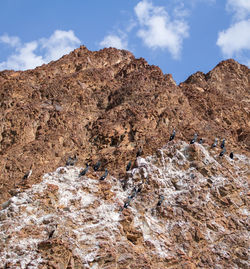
x=103 y=106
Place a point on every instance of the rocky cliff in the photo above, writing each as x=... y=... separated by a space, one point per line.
x=104 y=106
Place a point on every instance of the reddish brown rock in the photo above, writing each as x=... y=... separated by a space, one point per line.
x=104 y=106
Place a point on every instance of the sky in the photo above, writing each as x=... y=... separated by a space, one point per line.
x=180 y=36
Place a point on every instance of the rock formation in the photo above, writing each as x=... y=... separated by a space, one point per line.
x=103 y=106
x=67 y=221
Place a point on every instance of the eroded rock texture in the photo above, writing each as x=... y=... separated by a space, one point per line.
x=183 y=207
x=105 y=106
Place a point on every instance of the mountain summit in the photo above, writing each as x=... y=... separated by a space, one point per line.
x=179 y=205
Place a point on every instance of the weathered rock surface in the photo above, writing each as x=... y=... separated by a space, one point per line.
x=104 y=106
x=67 y=221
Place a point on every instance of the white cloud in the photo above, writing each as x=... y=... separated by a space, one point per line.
x=115 y=41
x=180 y=11
x=13 y=41
x=142 y=11
x=157 y=30
x=25 y=58
x=58 y=44
x=130 y=25
x=241 y=8
x=235 y=39
x=26 y=54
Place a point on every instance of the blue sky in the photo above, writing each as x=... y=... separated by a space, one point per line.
x=179 y=36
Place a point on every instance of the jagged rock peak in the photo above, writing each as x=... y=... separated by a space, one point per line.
x=178 y=205
x=105 y=105
x=228 y=67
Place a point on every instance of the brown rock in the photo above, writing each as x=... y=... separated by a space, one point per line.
x=103 y=106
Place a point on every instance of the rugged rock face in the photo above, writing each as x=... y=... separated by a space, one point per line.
x=183 y=207
x=104 y=106
x=220 y=101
